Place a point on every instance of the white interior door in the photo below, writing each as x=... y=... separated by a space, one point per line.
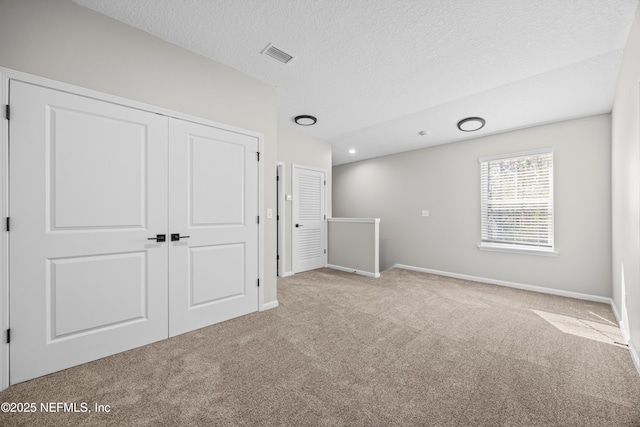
x=88 y=189
x=214 y=201
x=308 y=219
x=92 y=184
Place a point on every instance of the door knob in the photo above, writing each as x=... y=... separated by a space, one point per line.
x=176 y=237
x=299 y=225
x=159 y=238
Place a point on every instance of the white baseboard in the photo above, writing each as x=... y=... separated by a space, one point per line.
x=632 y=350
x=269 y=305
x=522 y=286
x=634 y=356
x=353 y=270
x=287 y=274
x=615 y=313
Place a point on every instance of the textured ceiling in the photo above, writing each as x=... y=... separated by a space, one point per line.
x=377 y=72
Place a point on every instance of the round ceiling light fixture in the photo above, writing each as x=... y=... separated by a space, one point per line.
x=305 y=120
x=352 y=151
x=471 y=124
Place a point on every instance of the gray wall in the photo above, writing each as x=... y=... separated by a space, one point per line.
x=60 y=40
x=445 y=180
x=297 y=148
x=626 y=188
x=354 y=245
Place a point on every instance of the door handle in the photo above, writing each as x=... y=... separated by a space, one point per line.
x=299 y=225
x=176 y=237
x=159 y=238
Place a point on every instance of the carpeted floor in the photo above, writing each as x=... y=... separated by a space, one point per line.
x=407 y=349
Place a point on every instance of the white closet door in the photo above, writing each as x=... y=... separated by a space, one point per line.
x=87 y=190
x=213 y=197
x=308 y=219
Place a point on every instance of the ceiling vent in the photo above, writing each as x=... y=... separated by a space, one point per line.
x=277 y=54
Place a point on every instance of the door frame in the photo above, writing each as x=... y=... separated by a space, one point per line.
x=281 y=217
x=6 y=75
x=324 y=225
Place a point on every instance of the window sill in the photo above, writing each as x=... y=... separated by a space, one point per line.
x=517 y=249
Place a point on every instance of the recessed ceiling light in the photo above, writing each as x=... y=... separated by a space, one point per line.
x=305 y=120
x=471 y=124
x=352 y=151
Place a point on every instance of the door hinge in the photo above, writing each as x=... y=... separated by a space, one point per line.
x=258 y=282
x=258 y=219
x=8 y=336
x=325 y=182
x=258 y=153
x=8 y=224
x=277 y=178
x=7 y=111
x=325 y=251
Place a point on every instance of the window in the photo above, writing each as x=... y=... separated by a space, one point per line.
x=517 y=202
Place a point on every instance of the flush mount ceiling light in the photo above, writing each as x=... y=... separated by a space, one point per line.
x=305 y=120
x=471 y=124
x=352 y=151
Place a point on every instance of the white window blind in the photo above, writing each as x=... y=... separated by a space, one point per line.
x=517 y=201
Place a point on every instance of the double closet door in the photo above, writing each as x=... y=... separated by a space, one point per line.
x=127 y=227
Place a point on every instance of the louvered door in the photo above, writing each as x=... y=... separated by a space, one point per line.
x=308 y=219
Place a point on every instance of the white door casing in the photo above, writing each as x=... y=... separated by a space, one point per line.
x=309 y=219
x=87 y=191
x=213 y=176
x=89 y=187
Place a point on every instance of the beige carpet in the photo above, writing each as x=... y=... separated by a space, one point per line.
x=407 y=349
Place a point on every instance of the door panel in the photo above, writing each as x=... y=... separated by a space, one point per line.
x=217 y=180
x=103 y=159
x=213 y=179
x=93 y=292
x=308 y=219
x=219 y=264
x=88 y=188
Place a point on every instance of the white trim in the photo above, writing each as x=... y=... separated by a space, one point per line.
x=281 y=216
x=517 y=155
x=540 y=289
x=261 y=212
x=634 y=356
x=114 y=99
x=351 y=270
x=615 y=312
x=4 y=238
x=515 y=249
x=7 y=74
x=632 y=350
x=490 y=244
x=269 y=305
x=287 y=274
x=357 y=220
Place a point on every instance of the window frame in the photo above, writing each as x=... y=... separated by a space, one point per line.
x=515 y=247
